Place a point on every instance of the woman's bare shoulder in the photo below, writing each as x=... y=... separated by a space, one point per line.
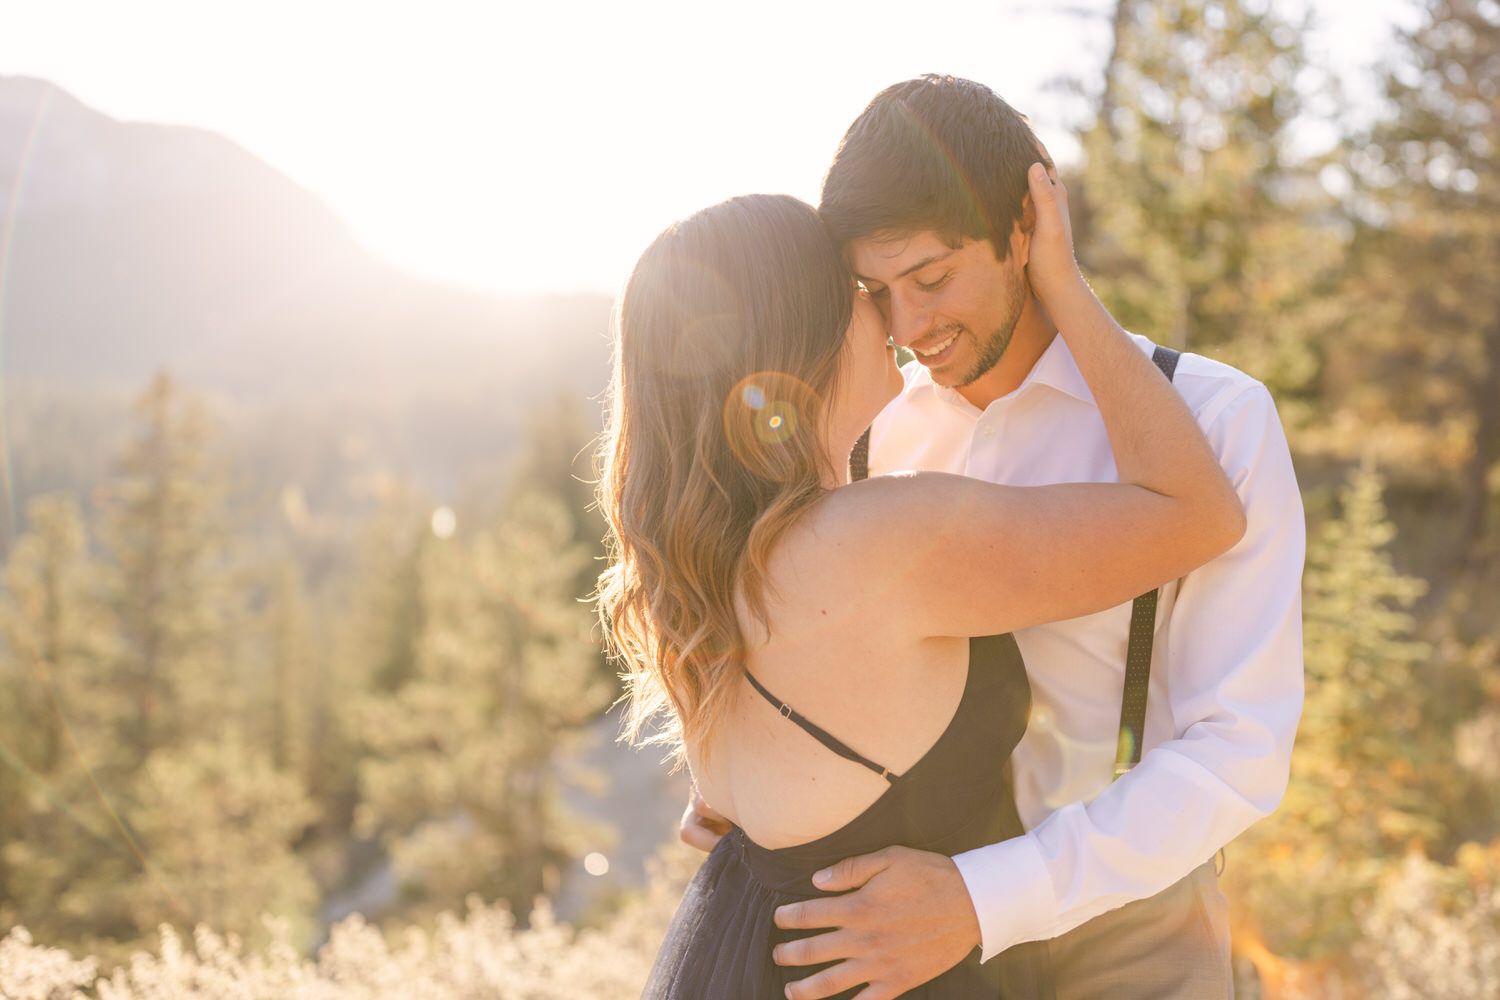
x=873 y=513
x=850 y=544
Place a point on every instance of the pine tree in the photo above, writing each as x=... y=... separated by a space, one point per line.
x=558 y=464
x=557 y=461
x=1427 y=335
x=391 y=602
x=157 y=809
x=217 y=823
x=304 y=677
x=291 y=692
x=164 y=532
x=51 y=631
x=462 y=773
x=1200 y=215
x=56 y=714
x=1366 y=773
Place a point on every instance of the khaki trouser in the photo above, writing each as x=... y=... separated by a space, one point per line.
x=1173 y=946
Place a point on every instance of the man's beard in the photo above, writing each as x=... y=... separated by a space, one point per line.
x=991 y=350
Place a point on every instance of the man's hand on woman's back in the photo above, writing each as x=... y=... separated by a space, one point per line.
x=701 y=827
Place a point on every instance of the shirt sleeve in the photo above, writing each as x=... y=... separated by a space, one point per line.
x=1233 y=662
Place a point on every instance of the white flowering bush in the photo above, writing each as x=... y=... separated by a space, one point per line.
x=481 y=954
x=31 y=972
x=1433 y=931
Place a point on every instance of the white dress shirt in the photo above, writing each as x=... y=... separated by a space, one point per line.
x=1226 y=672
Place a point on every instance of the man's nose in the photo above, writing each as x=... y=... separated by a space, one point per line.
x=905 y=321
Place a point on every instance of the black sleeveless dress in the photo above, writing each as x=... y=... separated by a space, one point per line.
x=956 y=798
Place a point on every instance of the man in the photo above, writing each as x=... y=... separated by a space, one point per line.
x=925 y=194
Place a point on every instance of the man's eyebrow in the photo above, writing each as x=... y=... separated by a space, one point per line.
x=933 y=259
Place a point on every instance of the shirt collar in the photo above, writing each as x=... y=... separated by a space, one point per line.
x=1055 y=369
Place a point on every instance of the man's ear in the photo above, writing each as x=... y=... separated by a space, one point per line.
x=1020 y=235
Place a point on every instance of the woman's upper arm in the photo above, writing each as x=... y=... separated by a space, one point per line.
x=960 y=556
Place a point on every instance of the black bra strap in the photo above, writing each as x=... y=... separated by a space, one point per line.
x=818 y=733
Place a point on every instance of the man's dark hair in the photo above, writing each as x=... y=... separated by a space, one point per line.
x=938 y=153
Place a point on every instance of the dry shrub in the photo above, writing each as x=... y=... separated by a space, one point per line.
x=481 y=954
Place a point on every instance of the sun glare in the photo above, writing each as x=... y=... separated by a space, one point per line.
x=531 y=148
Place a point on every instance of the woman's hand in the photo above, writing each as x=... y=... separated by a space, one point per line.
x=1050 y=264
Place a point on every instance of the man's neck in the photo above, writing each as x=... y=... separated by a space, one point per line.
x=1029 y=341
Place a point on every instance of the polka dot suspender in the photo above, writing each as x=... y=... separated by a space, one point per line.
x=1138 y=653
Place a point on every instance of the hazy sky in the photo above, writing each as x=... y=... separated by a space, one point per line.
x=540 y=146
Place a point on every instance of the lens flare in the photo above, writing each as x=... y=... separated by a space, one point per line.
x=764 y=411
x=777 y=422
x=7 y=234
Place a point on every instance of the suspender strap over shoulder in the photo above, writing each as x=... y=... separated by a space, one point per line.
x=859 y=458
x=1142 y=636
x=1166 y=359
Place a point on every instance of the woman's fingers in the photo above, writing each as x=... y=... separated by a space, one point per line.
x=1050 y=264
x=1060 y=194
x=1051 y=200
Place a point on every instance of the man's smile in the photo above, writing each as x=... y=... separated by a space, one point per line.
x=935 y=350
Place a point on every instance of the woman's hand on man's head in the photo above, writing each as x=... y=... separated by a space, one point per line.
x=1050 y=264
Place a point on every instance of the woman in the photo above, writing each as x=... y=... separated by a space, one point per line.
x=808 y=638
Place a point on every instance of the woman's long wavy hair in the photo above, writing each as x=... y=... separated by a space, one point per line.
x=727 y=345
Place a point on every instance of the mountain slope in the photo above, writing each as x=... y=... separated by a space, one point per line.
x=134 y=246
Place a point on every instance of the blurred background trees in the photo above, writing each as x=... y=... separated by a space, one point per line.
x=464 y=749
x=1206 y=221
x=192 y=737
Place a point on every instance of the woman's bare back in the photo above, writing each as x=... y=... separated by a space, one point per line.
x=839 y=653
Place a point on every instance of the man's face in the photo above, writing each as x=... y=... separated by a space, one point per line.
x=955 y=309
